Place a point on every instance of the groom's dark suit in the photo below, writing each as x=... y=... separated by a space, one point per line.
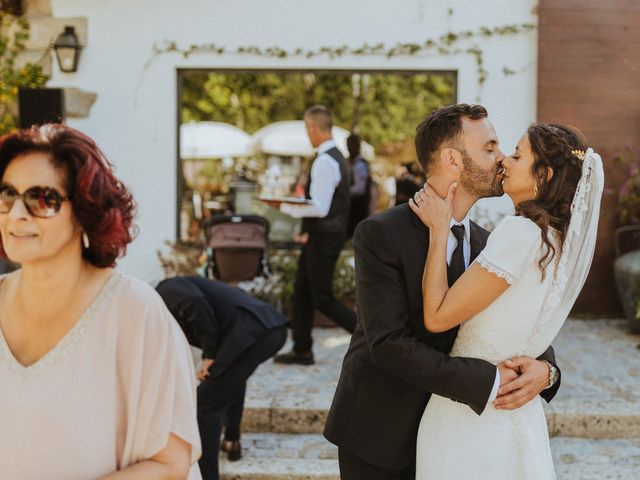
x=393 y=364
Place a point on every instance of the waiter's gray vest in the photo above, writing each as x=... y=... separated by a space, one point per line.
x=338 y=217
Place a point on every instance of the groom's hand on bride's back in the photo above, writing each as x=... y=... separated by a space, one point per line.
x=532 y=378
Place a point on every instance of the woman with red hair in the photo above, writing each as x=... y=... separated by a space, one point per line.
x=96 y=377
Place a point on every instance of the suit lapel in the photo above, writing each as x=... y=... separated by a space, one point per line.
x=421 y=231
x=475 y=241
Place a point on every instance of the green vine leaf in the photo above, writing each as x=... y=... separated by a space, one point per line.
x=11 y=78
x=444 y=45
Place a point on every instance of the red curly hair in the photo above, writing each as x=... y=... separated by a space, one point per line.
x=101 y=203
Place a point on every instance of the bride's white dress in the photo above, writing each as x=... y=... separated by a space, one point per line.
x=453 y=441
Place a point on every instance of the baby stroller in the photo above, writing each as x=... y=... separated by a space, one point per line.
x=236 y=247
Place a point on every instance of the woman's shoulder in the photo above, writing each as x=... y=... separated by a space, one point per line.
x=134 y=289
x=137 y=307
x=137 y=300
x=518 y=224
x=516 y=232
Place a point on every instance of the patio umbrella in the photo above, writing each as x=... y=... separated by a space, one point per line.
x=289 y=138
x=199 y=140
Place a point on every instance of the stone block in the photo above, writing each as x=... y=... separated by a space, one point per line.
x=78 y=103
x=286 y=420
x=41 y=57
x=35 y=8
x=594 y=426
x=256 y=420
x=44 y=31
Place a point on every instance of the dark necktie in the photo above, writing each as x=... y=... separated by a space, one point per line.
x=456 y=266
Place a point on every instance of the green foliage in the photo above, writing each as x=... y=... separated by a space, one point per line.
x=444 y=45
x=383 y=107
x=277 y=288
x=14 y=33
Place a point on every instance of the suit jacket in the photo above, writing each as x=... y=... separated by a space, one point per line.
x=393 y=363
x=222 y=320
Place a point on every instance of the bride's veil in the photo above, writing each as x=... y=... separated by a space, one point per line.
x=577 y=251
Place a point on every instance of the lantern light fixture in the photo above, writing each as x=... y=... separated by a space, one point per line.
x=67 y=48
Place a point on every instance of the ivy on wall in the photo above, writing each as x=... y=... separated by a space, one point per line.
x=451 y=43
x=14 y=33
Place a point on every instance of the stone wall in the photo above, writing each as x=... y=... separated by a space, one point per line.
x=44 y=30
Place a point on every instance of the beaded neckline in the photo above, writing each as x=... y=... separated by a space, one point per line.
x=61 y=348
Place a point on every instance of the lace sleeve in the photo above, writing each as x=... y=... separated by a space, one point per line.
x=491 y=268
x=510 y=248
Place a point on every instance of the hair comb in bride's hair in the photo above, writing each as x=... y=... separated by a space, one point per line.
x=578 y=153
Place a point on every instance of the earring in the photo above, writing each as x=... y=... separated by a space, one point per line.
x=85 y=240
x=535 y=190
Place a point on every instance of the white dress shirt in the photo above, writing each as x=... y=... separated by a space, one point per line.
x=452 y=243
x=324 y=177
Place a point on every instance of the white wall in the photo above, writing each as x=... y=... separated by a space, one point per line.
x=134 y=117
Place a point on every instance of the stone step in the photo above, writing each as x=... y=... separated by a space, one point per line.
x=599 y=397
x=270 y=456
x=273 y=456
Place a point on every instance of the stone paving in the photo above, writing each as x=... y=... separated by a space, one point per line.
x=310 y=457
x=599 y=397
x=594 y=420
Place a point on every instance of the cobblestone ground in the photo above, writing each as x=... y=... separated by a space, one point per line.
x=595 y=417
x=284 y=456
x=599 y=396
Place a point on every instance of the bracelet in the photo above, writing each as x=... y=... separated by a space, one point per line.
x=553 y=374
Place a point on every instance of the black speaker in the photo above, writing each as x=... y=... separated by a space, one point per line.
x=37 y=106
x=14 y=7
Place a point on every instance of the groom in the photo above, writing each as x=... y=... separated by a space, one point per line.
x=393 y=364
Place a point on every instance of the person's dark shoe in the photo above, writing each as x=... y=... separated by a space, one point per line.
x=233 y=449
x=292 y=357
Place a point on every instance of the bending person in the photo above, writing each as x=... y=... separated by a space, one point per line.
x=236 y=333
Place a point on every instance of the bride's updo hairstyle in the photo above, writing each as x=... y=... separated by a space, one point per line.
x=561 y=148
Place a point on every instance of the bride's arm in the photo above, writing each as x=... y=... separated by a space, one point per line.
x=444 y=307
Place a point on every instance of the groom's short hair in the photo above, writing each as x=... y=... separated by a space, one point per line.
x=441 y=128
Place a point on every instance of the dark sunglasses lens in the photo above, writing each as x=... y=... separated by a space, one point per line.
x=7 y=197
x=42 y=202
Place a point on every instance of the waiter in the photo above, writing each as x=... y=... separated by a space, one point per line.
x=236 y=333
x=324 y=228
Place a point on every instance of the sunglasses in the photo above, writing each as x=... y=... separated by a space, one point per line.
x=41 y=202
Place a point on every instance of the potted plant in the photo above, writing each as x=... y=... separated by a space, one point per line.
x=627 y=266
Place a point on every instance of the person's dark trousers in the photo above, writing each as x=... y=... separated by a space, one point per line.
x=234 y=417
x=219 y=392
x=313 y=288
x=354 y=468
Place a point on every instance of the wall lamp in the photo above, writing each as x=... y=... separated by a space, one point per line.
x=67 y=48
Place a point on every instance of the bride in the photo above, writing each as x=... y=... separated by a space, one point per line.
x=511 y=301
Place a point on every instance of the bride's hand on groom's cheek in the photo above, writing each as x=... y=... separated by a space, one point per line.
x=533 y=379
x=433 y=211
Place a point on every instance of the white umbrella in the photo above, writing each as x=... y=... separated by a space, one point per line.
x=289 y=138
x=200 y=140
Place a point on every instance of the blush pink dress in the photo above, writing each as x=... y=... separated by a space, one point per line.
x=106 y=397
